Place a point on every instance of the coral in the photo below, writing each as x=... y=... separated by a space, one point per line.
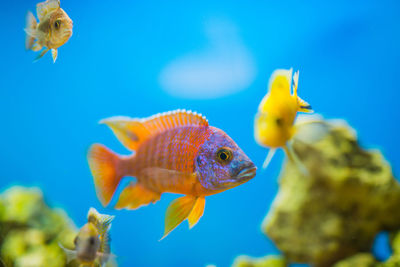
x=30 y=231
x=334 y=212
x=268 y=261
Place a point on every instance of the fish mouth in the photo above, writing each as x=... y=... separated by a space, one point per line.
x=246 y=173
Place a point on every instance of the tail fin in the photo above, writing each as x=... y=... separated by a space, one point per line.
x=31 y=24
x=107 y=171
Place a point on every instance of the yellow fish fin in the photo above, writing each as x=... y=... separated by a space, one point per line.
x=269 y=157
x=136 y=195
x=178 y=211
x=31 y=24
x=107 y=170
x=295 y=83
x=295 y=159
x=304 y=106
x=197 y=212
x=102 y=221
x=132 y=132
x=43 y=8
x=41 y=54
x=36 y=47
x=54 y=53
x=281 y=79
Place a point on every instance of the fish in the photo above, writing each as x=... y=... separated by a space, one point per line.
x=173 y=152
x=274 y=123
x=92 y=244
x=53 y=30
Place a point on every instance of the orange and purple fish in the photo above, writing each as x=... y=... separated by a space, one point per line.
x=175 y=152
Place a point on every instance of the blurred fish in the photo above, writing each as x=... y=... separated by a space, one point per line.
x=53 y=30
x=92 y=244
x=176 y=152
x=274 y=124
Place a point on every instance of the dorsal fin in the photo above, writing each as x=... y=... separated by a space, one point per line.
x=281 y=79
x=132 y=132
x=43 y=8
x=101 y=221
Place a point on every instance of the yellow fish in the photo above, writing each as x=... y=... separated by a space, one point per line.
x=53 y=30
x=274 y=124
x=92 y=244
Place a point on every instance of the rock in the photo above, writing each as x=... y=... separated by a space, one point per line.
x=361 y=260
x=268 y=261
x=335 y=212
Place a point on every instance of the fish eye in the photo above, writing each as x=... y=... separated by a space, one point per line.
x=279 y=121
x=92 y=240
x=57 y=24
x=224 y=155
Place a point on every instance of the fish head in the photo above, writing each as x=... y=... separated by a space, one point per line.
x=60 y=28
x=221 y=164
x=87 y=243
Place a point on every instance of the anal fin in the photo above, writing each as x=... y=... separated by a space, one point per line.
x=180 y=209
x=136 y=195
x=197 y=212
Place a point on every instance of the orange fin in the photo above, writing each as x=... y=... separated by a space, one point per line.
x=197 y=212
x=136 y=195
x=180 y=209
x=132 y=132
x=106 y=170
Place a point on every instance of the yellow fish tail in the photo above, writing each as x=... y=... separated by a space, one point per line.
x=31 y=24
x=107 y=170
x=187 y=207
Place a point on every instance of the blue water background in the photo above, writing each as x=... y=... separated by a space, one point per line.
x=347 y=53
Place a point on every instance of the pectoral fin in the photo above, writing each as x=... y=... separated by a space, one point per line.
x=269 y=157
x=304 y=106
x=71 y=254
x=180 y=209
x=295 y=159
x=54 y=53
x=41 y=54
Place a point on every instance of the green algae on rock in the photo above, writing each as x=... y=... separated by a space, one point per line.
x=368 y=260
x=30 y=231
x=267 y=261
x=335 y=212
